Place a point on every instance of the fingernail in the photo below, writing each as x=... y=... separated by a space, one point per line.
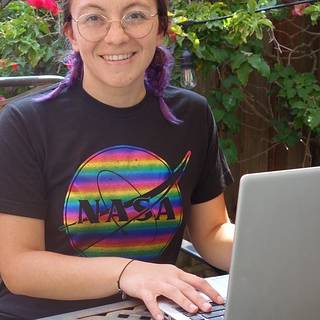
x=193 y=308
x=220 y=300
x=207 y=306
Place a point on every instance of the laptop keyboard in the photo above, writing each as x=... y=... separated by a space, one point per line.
x=216 y=314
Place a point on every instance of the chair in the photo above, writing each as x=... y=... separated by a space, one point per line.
x=38 y=82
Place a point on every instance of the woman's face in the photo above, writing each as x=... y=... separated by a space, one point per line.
x=118 y=60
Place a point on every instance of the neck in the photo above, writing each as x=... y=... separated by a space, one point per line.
x=122 y=97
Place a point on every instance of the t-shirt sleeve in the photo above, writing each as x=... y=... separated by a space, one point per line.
x=215 y=175
x=22 y=187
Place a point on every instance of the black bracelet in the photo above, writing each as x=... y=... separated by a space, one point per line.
x=123 y=294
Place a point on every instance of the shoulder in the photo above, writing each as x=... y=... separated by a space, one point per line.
x=31 y=104
x=187 y=104
x=185 y=97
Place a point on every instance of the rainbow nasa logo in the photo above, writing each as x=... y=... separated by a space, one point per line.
x=124 y=201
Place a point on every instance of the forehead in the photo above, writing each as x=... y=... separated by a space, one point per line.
x=80 y=6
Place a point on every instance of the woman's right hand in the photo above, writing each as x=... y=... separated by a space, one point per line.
x=148 y=281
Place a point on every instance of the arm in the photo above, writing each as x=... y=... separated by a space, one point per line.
x=28 y=269
x=212 y=232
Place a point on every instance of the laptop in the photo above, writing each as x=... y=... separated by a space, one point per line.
x=275 y=268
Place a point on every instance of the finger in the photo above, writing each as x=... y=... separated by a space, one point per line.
x=175 y=294
x=203 y=286
x=193 y=295
x=151 y=303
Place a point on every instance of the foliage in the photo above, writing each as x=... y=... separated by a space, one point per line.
x=314 y=12
x=299 y=95
x=232 y=49
x=29 y=41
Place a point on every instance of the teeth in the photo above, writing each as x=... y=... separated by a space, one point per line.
x=119 y=57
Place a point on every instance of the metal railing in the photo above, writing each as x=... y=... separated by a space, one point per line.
x=38 y=82
x=29 y=81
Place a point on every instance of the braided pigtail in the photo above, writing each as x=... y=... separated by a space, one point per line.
x=157 y=78
x=75 y=66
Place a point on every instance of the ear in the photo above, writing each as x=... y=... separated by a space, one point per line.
x=69 y=33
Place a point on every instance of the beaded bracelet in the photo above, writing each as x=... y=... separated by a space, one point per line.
x=123 y=294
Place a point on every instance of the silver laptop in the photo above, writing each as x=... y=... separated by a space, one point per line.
x=275 y=269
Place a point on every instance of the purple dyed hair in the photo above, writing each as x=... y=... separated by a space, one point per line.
x=157 y=75
x=157 y=78
x=75 y=66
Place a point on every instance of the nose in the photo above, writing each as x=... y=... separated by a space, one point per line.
x=116 y=34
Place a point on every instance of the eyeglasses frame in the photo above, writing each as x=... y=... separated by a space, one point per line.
x=110 y=22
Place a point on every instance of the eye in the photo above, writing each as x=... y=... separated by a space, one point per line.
x=92 y=19
x=136 y=17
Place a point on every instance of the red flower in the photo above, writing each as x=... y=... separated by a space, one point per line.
x=2 y=98
x=49 y=5
x=15 y=67
x=299 y=9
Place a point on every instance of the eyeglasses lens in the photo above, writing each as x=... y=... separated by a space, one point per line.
x=94 y=27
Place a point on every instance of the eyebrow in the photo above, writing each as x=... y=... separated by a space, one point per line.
x=128 y=7
x=136 y=4
x=90 y=6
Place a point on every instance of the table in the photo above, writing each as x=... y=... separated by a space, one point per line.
x=129 y=310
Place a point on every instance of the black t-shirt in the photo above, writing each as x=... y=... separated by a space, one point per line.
x=107 y=181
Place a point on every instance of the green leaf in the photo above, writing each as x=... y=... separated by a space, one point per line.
x=258 y=63
x=266 y=22
x=192 y=36
x=232 y=122
x=229 y=149
x=43 y=27
x=304 y=93
x=259 y=33
x=285 y=134
x=314 y=120
x=230 y=81
x=218 y=114
x=220 y=54
x=252 y=6
x=229 y=102
x=237 y=60
x=290 y=93
x=297 y=104
x=238 y=94
x=208 y=53
x=243 y=73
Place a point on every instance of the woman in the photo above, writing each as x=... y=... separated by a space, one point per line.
x=101 y=174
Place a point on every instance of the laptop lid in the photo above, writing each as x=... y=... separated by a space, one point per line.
x=276 y=258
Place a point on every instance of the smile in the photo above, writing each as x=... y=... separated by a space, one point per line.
x=119 y=57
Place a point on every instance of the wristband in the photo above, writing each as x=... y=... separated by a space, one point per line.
x=123 y=294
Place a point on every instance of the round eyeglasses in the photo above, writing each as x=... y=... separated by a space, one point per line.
x=94 y=27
